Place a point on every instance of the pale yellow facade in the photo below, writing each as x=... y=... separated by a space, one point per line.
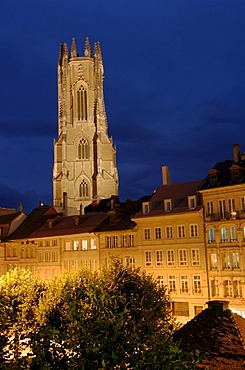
x=84 y=156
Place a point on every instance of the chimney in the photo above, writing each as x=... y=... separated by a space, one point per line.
x=166 y=176
x=20 y=208
x=236 y=153
x=76 y=220
x=50 y=224
x=217 y=307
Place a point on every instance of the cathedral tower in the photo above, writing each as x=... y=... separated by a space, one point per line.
x=84 y=156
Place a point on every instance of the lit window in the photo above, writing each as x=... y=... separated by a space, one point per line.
x=182 y=257
x=224 y=234
x=192 y=202
x=75 y=245
x=237 y=287
x=167 y=205
x=213 y=261
x=211 y=235
x=160 y=281
x=233 y=234
x=193 y=231
x=169 y=232
x=93 y=244
x=145 y=208
x=231 y=261
x=170 y=257
x=214 y=288
x=227 y=288
x=231 y=206
x=84 y=245
x=67 y=245
x=195 y=257
x=159 y=258
x=147 y=234
x=148 y=258
x=181 y=231
x=158 y=233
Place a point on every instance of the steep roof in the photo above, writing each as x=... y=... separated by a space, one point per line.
x=219 y=335
x=6 y=219
x=34 y=220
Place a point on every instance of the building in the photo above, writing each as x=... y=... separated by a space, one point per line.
x=223 y=194
x=84 y=156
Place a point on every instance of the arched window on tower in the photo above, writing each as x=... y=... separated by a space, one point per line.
x=82 y=104
x=83 y=149
x=84 y=189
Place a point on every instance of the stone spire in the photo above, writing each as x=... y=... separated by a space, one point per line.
x=97 y=51
x=73 y=48
x=87 y=50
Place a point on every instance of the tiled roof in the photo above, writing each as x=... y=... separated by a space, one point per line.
x=219 y=336
x=117 y=222
x=6 y=219
x=69 y=225
x=34 y=220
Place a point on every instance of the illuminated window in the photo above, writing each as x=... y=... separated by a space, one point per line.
x=83 y=152
x=182 y=257
x=93 y=244
x=214 y=288
x=224 y=234
x=167 y=205
x=160 y=281
x=231 y=205
x=75 y=245
x=67 y=245
x=84 y=245
x=82 y=103
x=231 y=261
x=211 y=235
x=233 y=234
x=227 y=288
x=213 y=261
x=159 y=258
x=192 y=202
x=237 y=288
x=195 y=257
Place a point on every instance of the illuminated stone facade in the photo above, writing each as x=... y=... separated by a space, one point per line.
x=84 y=156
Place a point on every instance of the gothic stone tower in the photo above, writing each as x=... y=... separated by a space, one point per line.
x=84 y=156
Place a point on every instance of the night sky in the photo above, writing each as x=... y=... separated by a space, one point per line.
x=174 y=88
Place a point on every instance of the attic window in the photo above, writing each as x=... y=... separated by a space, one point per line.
x=235 y=175
x=192 y=202
x=213 y=179
x=167 y=205
x=145 y=208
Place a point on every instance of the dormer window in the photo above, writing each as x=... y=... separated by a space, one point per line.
x=213 y=179
x=192 y=202
x=145 y=208
x=235 y=176
x=167 y=205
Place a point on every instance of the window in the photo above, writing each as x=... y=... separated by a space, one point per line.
x=193 y=231
x=54 y=243
x=167 y=205
x=233 y=234
x=180 y=308
x=213 y=261
x=243 y=204
x=129 y=261
x=231 y=205
x=231 y=261
x=214 y=288
x=169 y=232
x=211 y=235
x=148 y=258
x=84 y=245
x=184 y=285
x=182 y=257
x=147 y=234
x=130 y=240
x=145 y=208
x=159 y=258
x=108 y=242
x=227 y=288
x=213 y=179
x=195 y=257
x=222 y=209
x=75 y=245
x=158 y=233
x=93 y=244
x=160 y=281
x=181 y=231
x=197 y=287
x=192 y=202
x=114 y=241
x=172 y=283
x=210 y=208
x=170 y=257
x=67 y=245
x=83 y=152
x=224 y=234
x=84 y=189
x=47 y=243
x=235 y=175
x=82 y=103
x=124 y=241
x=237 y=288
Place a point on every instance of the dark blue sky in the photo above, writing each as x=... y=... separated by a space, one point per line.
x=174 y=87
